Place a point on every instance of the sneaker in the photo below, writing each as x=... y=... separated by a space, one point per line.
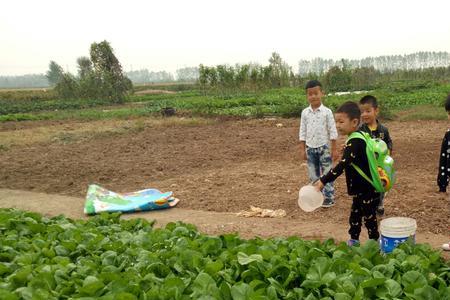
x=352 y=242
x=328 y=203
x=446 y=246
x=380 y=211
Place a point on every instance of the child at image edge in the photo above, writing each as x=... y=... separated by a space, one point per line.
x=370 y=124
x=317 y=128
x=444 y=163
x=365 y=198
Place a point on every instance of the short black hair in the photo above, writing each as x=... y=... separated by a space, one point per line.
x=351 y=109
x=369 y=99
x=312 y=84
x=447 y=103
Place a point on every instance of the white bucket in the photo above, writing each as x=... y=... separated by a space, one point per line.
x=396 y=230
x=309 y=199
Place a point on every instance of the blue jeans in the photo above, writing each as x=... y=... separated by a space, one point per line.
x=319 y=163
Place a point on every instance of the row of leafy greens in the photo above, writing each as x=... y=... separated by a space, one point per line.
x=106 y=257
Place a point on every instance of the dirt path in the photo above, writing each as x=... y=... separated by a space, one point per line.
x=207 y=222
x=218 y=166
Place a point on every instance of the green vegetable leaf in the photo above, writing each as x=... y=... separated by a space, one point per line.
x=244 y=259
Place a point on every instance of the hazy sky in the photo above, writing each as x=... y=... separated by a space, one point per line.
x=170 y=34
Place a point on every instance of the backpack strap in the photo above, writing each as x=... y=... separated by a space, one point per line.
x=356 y=135
x=361 y=136
x=361 y=172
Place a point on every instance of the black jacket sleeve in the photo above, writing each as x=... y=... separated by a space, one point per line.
x=347 y=158
x=442 y=178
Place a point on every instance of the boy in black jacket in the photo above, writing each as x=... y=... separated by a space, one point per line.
x=365 y=198
x=444 y=162
x=370 y=124
x=444 y=157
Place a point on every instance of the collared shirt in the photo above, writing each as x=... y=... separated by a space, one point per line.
x=317 y=127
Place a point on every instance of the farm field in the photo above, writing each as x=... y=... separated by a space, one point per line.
x=190 y=100
x=170 y=167
x=219 y=160
x=211 y=164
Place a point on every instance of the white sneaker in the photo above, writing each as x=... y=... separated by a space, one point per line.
x=446 y=247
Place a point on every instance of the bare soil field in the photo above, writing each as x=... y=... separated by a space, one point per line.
x=218 y=166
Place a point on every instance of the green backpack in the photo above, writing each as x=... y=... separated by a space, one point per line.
x=381 y=165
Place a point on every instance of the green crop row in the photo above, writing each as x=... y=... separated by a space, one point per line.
x=109 y=258
x=286 y=102
x=28 y=106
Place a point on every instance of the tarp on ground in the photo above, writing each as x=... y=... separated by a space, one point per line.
x=99 y=199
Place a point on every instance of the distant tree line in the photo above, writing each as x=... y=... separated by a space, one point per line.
x=28 y=81
x=385 y=63
x=342 y=75
x=146 y=76
x=187 y=74
x=365 y=78
x=336 y=75
x=99 y=76
x=226 y=78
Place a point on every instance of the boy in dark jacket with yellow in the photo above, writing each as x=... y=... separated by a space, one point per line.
x=370 y=124
x=365 y=197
